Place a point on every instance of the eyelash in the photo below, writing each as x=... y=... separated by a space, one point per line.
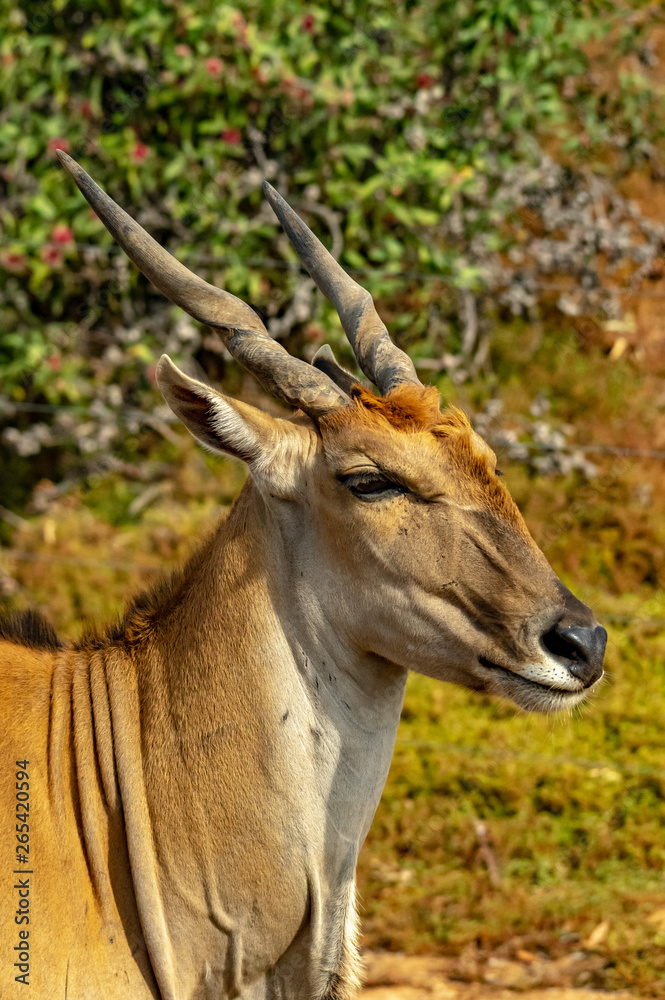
x=353 y=482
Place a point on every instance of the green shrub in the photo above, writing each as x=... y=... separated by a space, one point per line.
x=391 y=127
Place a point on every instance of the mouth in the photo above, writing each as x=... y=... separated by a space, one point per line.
x=535 y=696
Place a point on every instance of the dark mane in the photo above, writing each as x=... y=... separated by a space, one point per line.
x=31 y=629
x=136 y=620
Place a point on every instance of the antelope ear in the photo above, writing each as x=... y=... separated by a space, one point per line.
x=223 y=424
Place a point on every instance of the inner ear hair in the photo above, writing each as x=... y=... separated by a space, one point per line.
x=219 y=423
x=325 y=361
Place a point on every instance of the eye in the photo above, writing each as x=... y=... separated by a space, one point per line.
x=367 y=487
x=372 y=486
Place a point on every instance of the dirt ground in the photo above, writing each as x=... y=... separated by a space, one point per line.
x=403 y=977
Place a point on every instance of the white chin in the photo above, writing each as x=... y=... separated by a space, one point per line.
x=539 y=687
x=535 y=697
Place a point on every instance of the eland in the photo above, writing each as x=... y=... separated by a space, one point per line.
x=191 y=788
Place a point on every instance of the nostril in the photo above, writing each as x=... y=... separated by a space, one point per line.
x=562 y=645
x=582 y=647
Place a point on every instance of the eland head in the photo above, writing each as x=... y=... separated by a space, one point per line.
x=406 y=540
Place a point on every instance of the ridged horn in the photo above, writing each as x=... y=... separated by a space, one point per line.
x=381 y=361
x=240 y=328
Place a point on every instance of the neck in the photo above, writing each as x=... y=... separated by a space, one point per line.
x=264 y=744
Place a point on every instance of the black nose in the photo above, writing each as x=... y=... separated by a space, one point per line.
x=583 y=647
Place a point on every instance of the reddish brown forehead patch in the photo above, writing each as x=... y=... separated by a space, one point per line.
x=408 y=408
